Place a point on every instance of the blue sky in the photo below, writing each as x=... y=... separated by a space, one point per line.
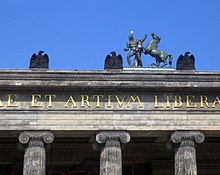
x=78 y=34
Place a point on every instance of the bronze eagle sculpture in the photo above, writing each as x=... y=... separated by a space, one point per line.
x=39 y=60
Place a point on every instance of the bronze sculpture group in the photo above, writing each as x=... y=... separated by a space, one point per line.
x=136 y=49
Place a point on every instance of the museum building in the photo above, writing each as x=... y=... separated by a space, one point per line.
x=116 y=121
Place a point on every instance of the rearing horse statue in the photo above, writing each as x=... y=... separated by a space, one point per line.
x=160 y=55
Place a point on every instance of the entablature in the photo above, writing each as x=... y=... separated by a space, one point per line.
x=105 y=79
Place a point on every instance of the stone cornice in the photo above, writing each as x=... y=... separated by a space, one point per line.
x=107 y=75
x=75 y=79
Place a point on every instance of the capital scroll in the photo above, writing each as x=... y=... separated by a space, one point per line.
x=178 y=136
x=103 y=136
x=26 y=136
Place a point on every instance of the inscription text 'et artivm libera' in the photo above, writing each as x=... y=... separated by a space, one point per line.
x=110 y=101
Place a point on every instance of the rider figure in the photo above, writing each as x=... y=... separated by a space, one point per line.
x=131 y=44
x=134 y=46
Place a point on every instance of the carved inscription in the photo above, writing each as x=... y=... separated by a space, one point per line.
x=108 y=101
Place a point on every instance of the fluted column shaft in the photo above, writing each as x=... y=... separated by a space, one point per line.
x=185 y=155
x=111 y=155
x=35 y=154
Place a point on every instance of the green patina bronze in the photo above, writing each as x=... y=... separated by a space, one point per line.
x=160 y=55
x=136 y=49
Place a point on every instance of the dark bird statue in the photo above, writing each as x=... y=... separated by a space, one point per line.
x=39 y=61
x=113 y=61
x=186 y=62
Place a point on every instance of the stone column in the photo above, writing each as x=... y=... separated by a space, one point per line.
x=185 y=153
x=35 y=154
x=111 y=156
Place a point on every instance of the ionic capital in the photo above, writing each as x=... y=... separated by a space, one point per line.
x=122 y=136
x=45 y=136
x=179 y=136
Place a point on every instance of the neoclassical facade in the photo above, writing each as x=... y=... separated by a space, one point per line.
x=109 y=122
